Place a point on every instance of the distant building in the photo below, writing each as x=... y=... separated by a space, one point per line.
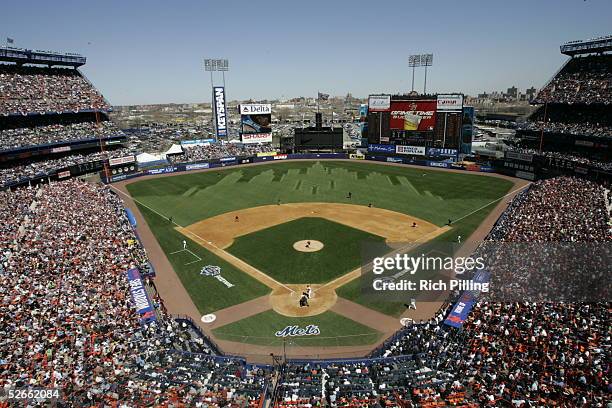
x=531 y=93
x=512 y=92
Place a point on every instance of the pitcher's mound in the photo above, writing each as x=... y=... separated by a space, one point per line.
x=308 y=246
x=288 y=303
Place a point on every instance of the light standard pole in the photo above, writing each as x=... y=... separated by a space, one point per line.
x=221 y=65
x=413 y=62
x=426 y=61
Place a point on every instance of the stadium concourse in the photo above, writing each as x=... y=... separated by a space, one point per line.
x=69 y=260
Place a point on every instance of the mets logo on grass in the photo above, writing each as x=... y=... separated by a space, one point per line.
x=297 y=331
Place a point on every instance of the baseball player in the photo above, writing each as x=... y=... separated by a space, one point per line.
x=184 y=244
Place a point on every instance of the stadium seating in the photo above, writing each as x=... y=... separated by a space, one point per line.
x=583 y=80
x=217 y=150
x=576 y=118
x=27 y=90
x=57 y=132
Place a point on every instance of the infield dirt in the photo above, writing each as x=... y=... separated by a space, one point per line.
x=221 y=230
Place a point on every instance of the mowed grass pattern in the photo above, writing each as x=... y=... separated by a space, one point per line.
x=431 y=195
x=260 y=329
x=271 y=250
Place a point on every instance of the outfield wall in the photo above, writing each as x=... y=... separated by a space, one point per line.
x=239 y=160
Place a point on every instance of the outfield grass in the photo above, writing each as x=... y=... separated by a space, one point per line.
x=271 y=250
x=336 y=330
x=431 y=195
x=207 y=293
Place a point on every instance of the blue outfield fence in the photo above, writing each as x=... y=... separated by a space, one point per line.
x=239 y=160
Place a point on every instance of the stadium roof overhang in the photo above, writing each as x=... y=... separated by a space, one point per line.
x=596 y=45
x=23 y=56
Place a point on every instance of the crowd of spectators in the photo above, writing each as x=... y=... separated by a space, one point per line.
x=27 y=89
x=67 y=319
x=577 y=129
x=42 y=168
x=550 y=245
x=218 y=150
x=569 y=128
x=155 y=136
x=30 y=136
x=583 y=80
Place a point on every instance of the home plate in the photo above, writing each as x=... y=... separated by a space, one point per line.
x=209 y=318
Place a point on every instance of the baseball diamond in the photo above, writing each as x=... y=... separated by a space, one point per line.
x=246 y=221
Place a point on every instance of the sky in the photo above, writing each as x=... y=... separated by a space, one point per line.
x=145 y=52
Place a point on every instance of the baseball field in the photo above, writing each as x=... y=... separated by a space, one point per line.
x=258 y=236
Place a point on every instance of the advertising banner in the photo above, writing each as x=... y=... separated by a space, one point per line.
x=164 y=170
x=220 y=110
x=449 y=103
x=443 y=165
x=63 y=174
x=356 y=156
x=140 y=297
x=264 y=154
x=525 y=175
x=256 y=123
x=251 y=138
x=196 y=142
x=414 y=150
x=121 y=160
x=526 y=157
x=256 y=109
x=460 y=311
x=197 y=166
x=413 y=115
x=379 y=103
x=436 y=151
x=60 y=149
x=379 y=148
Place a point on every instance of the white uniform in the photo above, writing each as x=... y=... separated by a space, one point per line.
x=309 y=292
x=184 y=244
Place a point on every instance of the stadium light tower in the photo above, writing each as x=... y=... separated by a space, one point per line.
x=413 y=62
x=212 y=65
x=426 y=61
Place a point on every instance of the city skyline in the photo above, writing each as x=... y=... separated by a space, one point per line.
x=152 y=53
